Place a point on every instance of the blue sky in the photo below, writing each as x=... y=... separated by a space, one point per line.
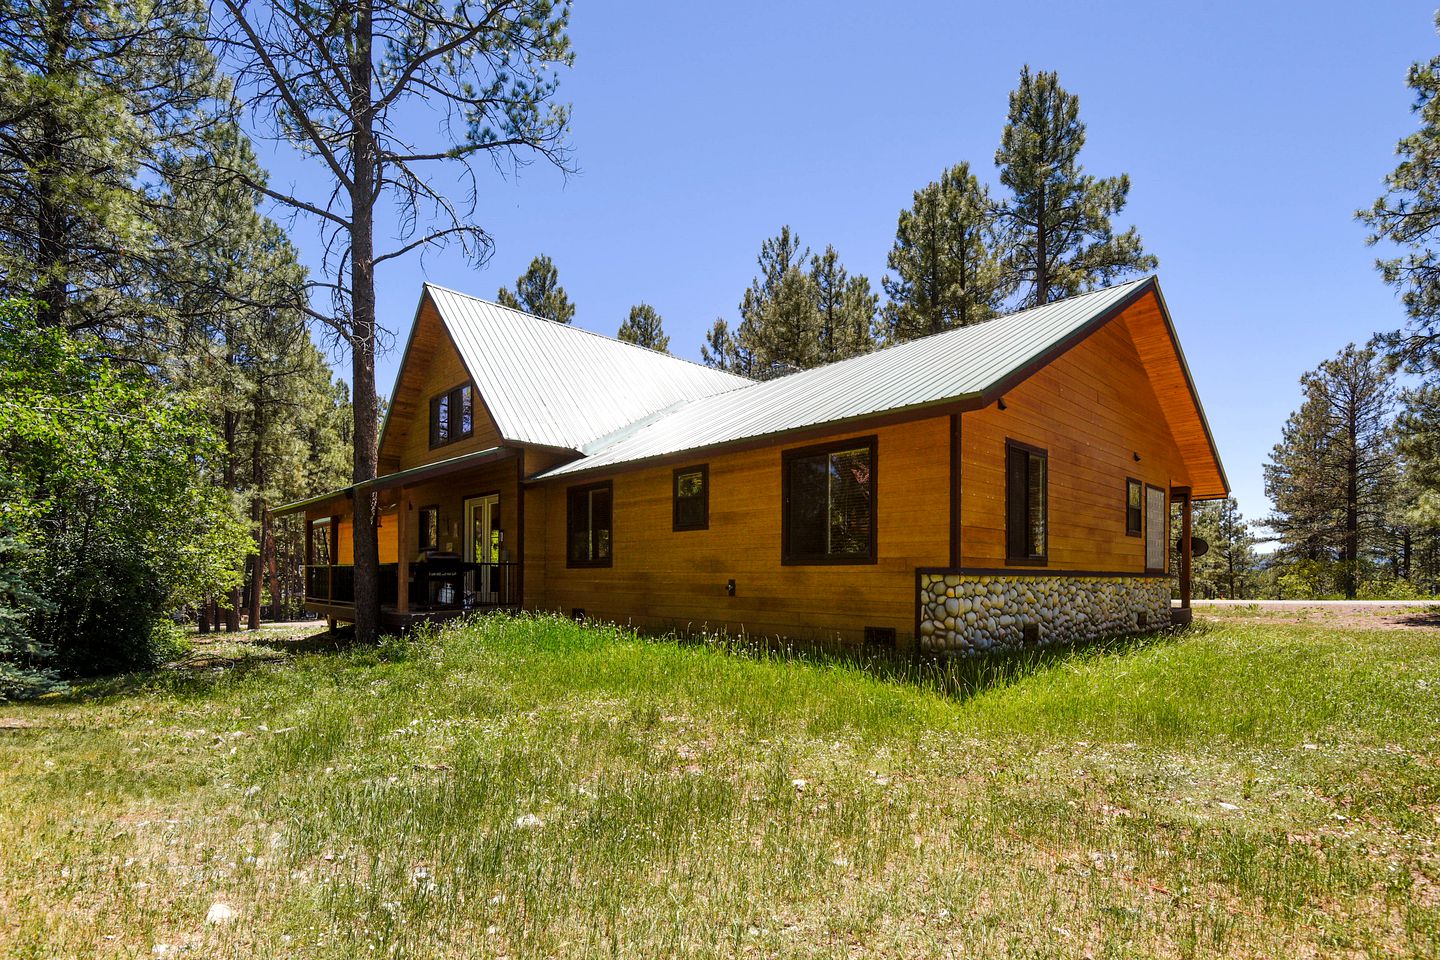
x=1251 y=133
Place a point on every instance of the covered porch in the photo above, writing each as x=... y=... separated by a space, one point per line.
x=449 y=541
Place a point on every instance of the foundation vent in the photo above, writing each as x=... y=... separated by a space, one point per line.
x=880 y=636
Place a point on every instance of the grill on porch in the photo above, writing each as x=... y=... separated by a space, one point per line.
x=435 y=590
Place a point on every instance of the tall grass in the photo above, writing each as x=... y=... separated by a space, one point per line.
x=535 y=787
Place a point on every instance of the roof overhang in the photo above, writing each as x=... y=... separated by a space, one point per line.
x=402 y=478
x=1218 y=486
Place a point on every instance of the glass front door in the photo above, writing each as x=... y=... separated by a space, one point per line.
x=482 y=546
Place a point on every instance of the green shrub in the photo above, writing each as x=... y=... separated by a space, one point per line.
x=109 y=491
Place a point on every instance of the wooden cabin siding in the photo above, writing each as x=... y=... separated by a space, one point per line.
x=662 y=579
x=432 y=367
x=345 y=536
x=537 y=521
x=1092 y=409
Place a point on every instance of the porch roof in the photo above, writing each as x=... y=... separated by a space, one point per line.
x=426 y=471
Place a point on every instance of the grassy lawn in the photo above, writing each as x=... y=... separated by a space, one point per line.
x=531 y=788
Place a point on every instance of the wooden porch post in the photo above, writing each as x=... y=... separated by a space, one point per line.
x=402 y=553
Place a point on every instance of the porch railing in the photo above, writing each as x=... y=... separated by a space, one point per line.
x=472 y=586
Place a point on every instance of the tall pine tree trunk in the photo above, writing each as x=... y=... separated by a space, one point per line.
x=257 y=508
x=1042 y=254
x=362 y=340
x=1352 y=506
x=232 y=615
x=52 y=255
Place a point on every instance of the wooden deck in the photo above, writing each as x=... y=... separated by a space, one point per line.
x=330 y=593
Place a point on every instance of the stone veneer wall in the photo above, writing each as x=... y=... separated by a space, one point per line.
x=974 y=613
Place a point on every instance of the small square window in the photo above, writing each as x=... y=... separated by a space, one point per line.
x=692 y=498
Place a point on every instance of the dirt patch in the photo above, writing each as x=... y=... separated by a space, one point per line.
x=1334 y=613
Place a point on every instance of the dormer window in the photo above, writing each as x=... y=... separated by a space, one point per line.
x=452 y=416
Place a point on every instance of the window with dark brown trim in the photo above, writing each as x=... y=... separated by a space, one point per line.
x=452 y=416
x=587 y=522
x=1134 y=507
x=828 y=503
x=429 y=528
x=692 y=498
x=1027 y=534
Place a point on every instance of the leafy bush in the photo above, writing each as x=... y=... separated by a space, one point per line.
x=110 y=495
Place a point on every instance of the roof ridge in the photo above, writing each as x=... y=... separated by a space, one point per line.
x=593 y=333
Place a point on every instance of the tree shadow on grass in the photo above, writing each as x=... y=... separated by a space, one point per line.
x=1428 y=618
x=953 y=675
x=200 y=670
x=327 y=641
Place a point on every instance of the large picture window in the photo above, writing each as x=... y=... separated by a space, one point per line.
x=828 y=507
x=452 y=416
x=588 y=517
x=1027 y=534
x=692 y=498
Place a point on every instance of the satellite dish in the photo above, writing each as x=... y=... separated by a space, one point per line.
x=1199 y=546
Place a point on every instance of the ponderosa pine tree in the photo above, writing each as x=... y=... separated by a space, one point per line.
x=1408 y=215
x=538 y=292
x=1228 y=569
x=722 y=350
x=947 y=261
x=846 y=306
x=1331 y=475
x=644 y=328
x=778 y=256
x=1057 y=219
x=240 y=339
x=783 y=329
x=384 y=97
x=93 y=96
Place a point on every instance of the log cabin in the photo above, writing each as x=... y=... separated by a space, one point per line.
x=993 y=486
